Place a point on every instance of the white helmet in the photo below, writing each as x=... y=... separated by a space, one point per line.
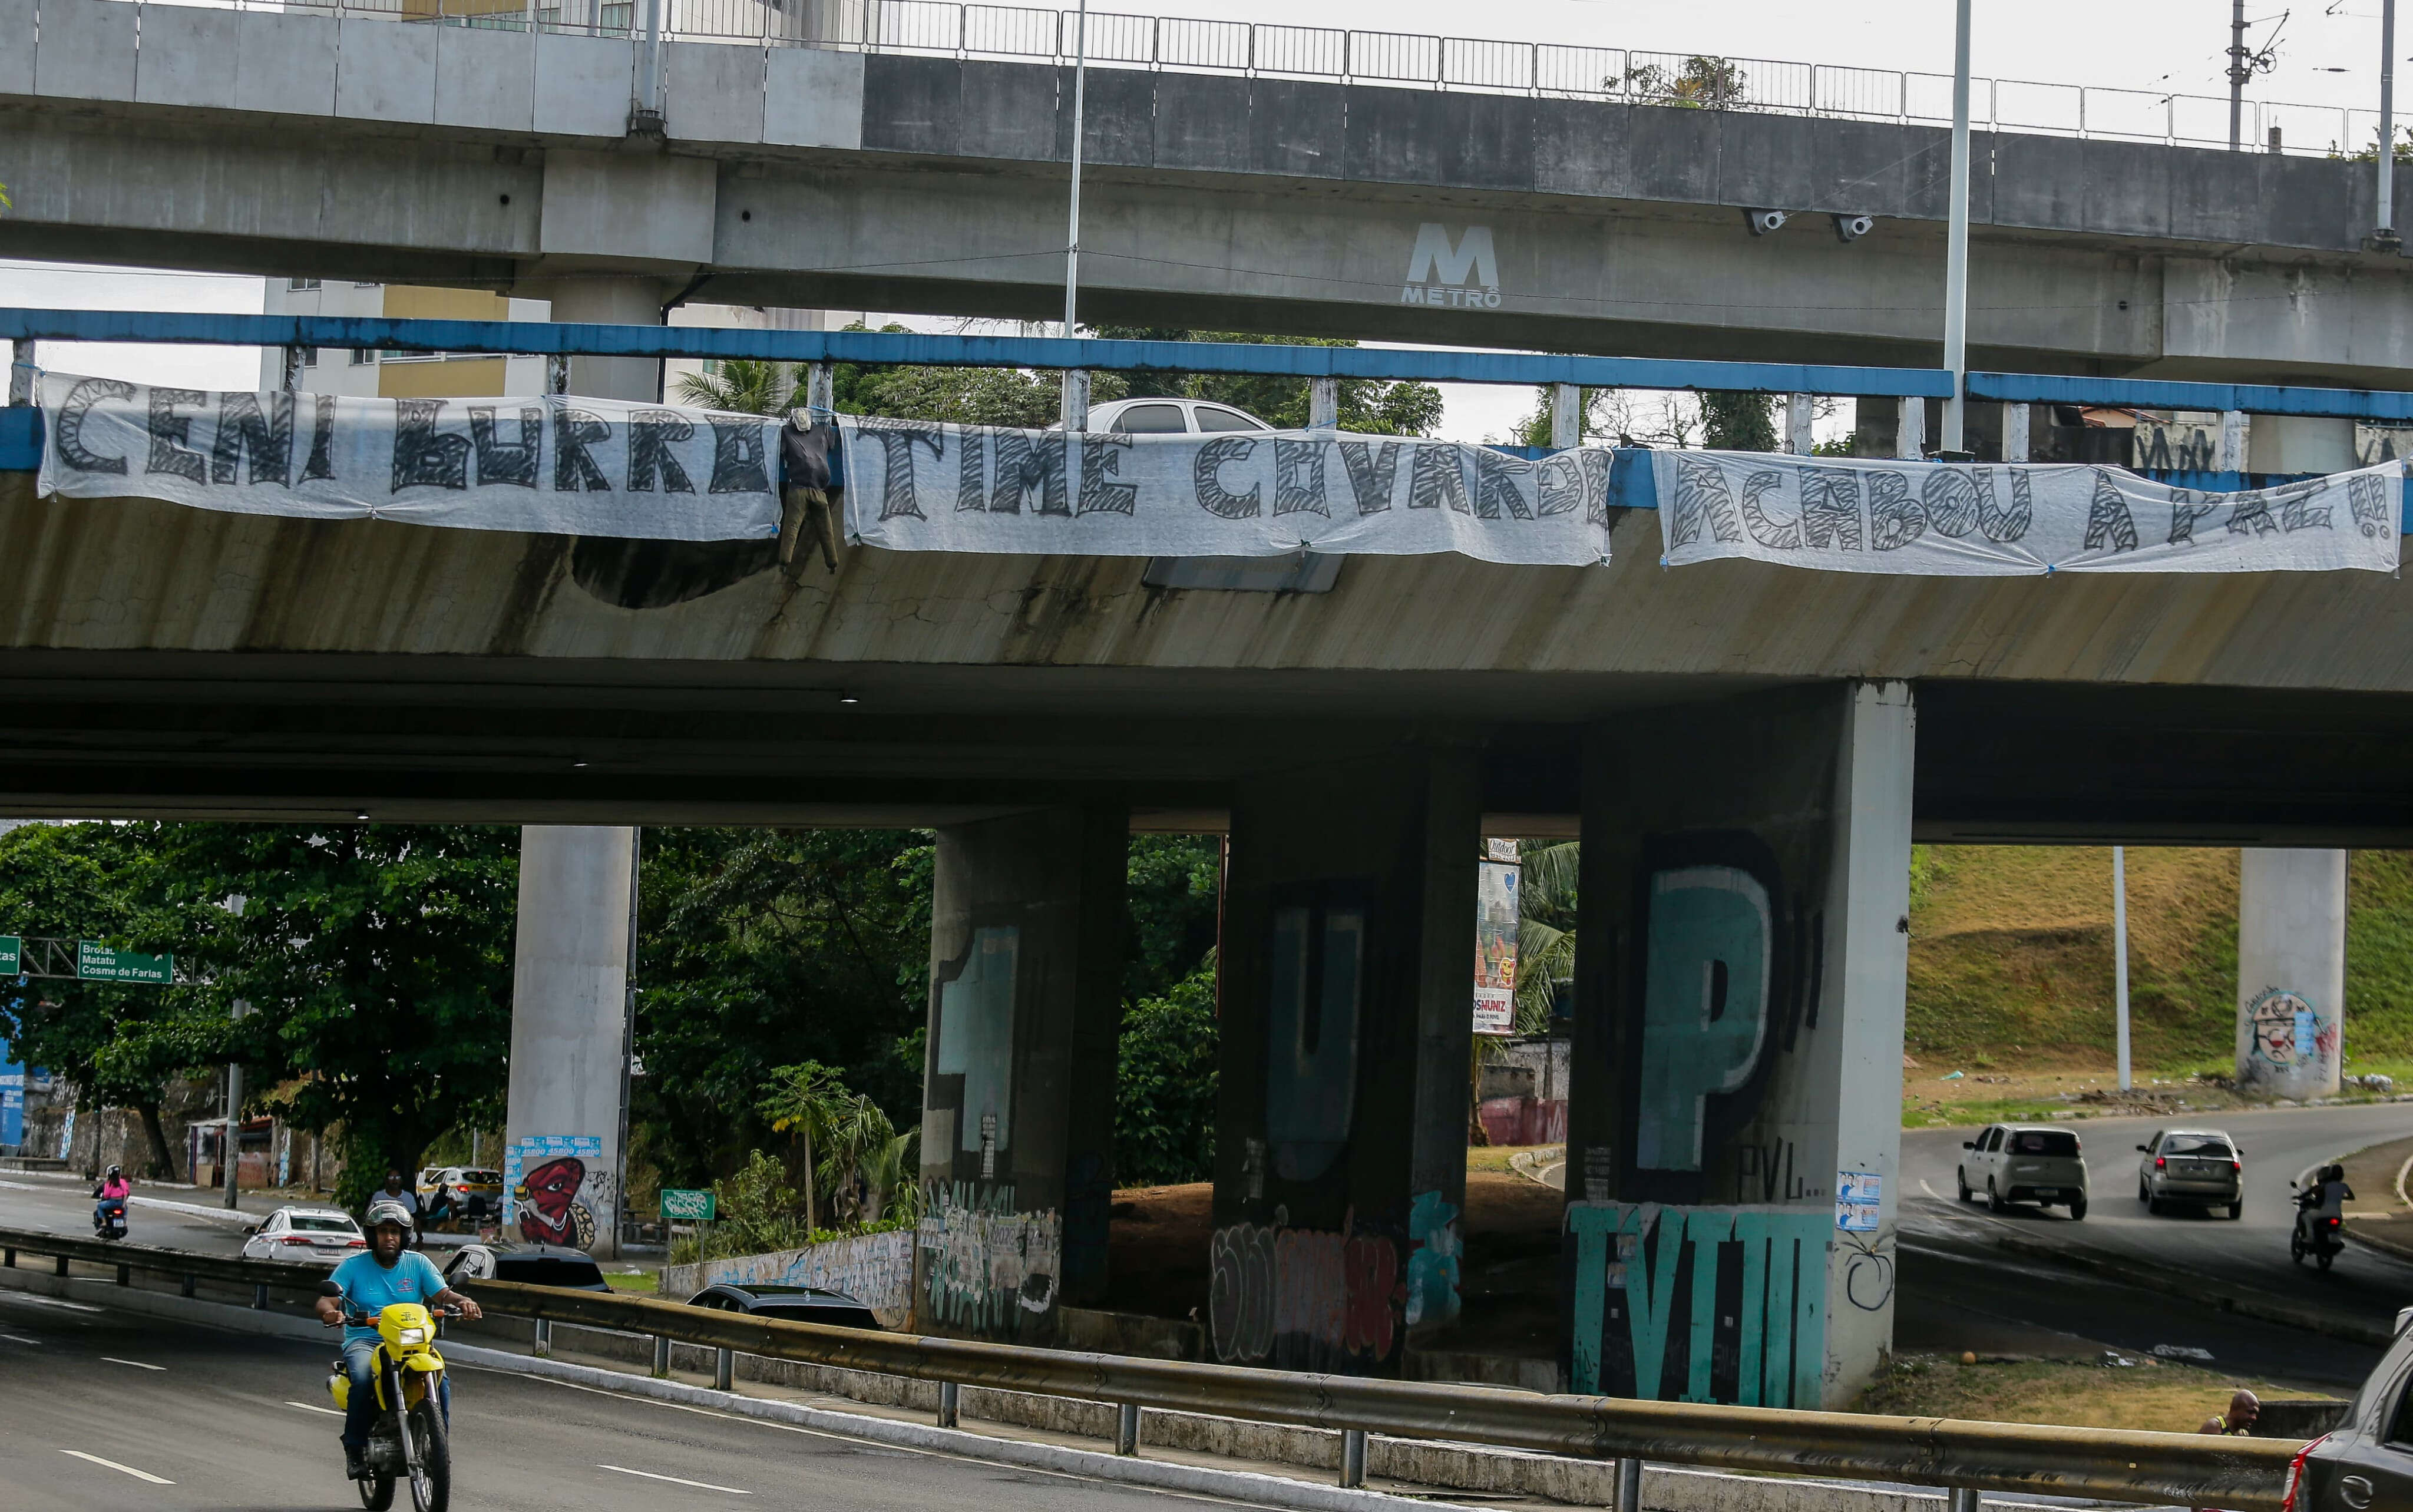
x=389 y=1212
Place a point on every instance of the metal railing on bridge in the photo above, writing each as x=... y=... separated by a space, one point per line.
x=2193 y=1470
x=1706 y=81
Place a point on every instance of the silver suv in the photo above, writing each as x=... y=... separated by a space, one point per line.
x=2201 y=1166
x=2024 y=1163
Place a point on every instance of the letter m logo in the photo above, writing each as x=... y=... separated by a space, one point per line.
x=1436 y=260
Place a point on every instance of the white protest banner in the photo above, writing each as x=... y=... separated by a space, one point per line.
x=913 y=485
x=551 y=464
x=1991 y=519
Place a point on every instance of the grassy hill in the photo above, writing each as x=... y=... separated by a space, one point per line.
x=2012 y=960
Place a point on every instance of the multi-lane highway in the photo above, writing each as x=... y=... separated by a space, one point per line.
x=1953 y=1261
x=102 y=1411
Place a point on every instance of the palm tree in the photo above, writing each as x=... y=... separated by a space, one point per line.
x=744 y=386
x=1545 y=930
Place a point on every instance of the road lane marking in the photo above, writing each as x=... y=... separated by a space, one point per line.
x=19 y=1339
x=126 y=1470
x=699 y=1485
x=136 y=1363
x=1929 y=1189
x=39 y=1300
x=307 y=1408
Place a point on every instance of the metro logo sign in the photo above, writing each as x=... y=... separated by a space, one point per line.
x=1439 y=269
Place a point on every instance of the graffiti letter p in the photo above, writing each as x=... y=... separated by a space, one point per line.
x=1704 y=1004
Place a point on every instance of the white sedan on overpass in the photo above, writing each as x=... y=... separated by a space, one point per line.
x=305 y=1235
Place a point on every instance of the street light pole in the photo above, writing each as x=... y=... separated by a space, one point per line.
x=1956 y=242
x=2385 y=238
x=2120 y=951
x=2237 y=75
x=1080 y=100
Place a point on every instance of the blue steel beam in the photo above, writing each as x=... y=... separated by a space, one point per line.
x=2158 y=394
x=880 y=346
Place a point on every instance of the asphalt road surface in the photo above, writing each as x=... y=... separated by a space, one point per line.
x=109 y=1412
x=1951 y=1261
x=171 y=1218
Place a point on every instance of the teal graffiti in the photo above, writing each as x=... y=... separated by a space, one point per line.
x=1704 y=1004
x=1641 y=1250
x=1432 y=1262
x=976 y=1038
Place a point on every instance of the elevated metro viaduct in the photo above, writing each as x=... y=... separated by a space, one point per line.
x=285 y=143
x=1748 y=752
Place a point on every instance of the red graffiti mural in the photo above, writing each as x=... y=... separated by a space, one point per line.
x=551 y=1212
x=1303 y=1298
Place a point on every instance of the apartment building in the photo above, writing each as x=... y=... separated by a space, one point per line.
x=367 y=373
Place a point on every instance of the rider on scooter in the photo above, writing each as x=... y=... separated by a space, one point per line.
x=386 y=1274
x=2326 y=1199
x=111 y=1192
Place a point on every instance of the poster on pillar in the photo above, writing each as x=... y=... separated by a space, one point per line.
x=544 y=464
x=560 y=1190
x=1495 y=946
x=2002 y=520
x=915 y=485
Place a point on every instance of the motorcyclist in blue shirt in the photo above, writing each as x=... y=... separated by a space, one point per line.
x=381 y=1275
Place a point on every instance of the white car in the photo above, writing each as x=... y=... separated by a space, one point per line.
x=305 y=1235
x=1171 y=417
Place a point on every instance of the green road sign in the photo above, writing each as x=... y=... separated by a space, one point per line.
x=686 y=1206
x=99 y=963
x=12 y=955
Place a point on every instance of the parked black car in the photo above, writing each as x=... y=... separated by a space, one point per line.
x=2367 y=1462
x=537 y=1265
x=792 y=1304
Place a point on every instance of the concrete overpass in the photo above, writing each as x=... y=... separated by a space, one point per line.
x=295 y=143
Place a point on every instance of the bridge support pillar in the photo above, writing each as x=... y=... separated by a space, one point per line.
x=2298 y=443
x=570 y=1036
x=2290 y=970
x=608 y=301
x=1018 y=1079
x=1346 y=985
x=1736 y=1077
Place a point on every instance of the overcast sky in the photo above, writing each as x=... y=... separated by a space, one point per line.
x=2325 y=55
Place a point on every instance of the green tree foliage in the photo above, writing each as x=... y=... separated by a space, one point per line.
x=1698 y=84
x=962 y=395
x=1546 y=929
x=1175 y=887
x=1737 y=422
x=377 y=961
x=765 y=948
x=119 y=1044
x=743 y=385
x=848 y=1140
x=1165 y=1093
x=1366 y=405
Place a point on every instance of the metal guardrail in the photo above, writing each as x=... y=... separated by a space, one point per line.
x=1707 y=81
x=2241 y=1475
x=260 y=1275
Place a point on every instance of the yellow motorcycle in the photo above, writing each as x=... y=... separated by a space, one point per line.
x=408 y=1442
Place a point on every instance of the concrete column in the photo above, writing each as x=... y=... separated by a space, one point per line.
x=2016 y=443
x=1323 y=404
x=2233 y=427
x=1566 y=416
x=569 y=1021
x=608 y=301
x=2301 y=443
x=2290 y=971
x=1799 y=410
x=1910 y=435
x=1347 y=1007
x=1018 y=1087
x=1736 y=1077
